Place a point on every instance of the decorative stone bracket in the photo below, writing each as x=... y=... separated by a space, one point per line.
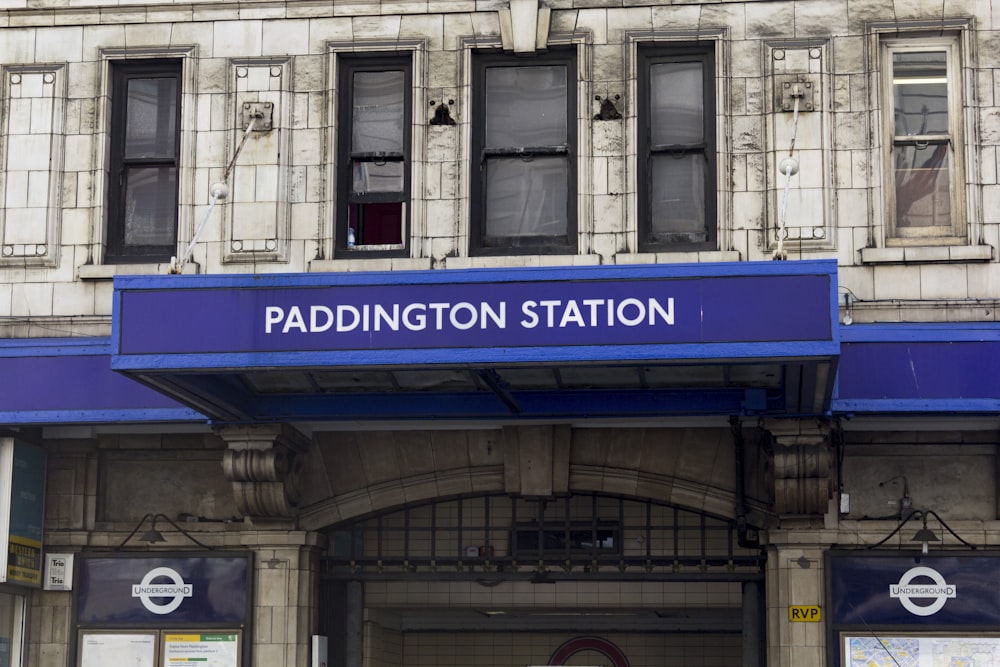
x=263 y=464
x=803 y=466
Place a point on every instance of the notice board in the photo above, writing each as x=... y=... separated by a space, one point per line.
x=161 y=648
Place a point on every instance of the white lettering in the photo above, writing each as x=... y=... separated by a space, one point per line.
x=640 y=316
x=294 y=320
x=314 y=324
x=390 y=319
x=345 y=324
x=466 y=315
x=438 y=309
x=571 y=314
x=454 y=316
x=549 y=305
x=656 y=308
x=528 y=309
x=272 y=315
x=499 y=319
x=417 y=322
x=592 y=304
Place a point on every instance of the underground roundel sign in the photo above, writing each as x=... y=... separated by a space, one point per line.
x=906 y=591
x=152 y=590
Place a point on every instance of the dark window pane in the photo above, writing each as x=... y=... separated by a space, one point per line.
x=676 y=103
x=151 y=118
x=920 y=92
x=150 y=206
x=376 y=224
x=377 y=177
x=678 y=198
x=526 y=198
x=526 y=106
x=923 y=195
x=378 y=112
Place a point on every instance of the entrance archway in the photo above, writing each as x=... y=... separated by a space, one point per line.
x=504 y=581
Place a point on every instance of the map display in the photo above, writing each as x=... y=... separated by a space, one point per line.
x=921 y=651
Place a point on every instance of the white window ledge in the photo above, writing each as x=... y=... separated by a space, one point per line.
x=513 y=261
x=678 y=257
x=958 y=253
x=370 y=264
x=109 y=271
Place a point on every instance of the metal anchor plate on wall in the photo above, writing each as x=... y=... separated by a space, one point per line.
x=788 y=89
x=263 y=112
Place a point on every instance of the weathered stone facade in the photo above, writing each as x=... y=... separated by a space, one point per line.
x=274 y=489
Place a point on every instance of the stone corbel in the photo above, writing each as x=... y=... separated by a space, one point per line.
x=524 y=27
x=263 y=464
x=803 y=466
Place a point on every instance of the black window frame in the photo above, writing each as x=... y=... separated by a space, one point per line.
x=648 y=56
x=347 y=66
x=117 y=250
x=481 y=154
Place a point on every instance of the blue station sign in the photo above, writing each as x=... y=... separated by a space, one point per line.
x=756 y=310
x=919 y=591
x=176 y=591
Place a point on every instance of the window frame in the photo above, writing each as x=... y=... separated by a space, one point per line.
x=956 y=233
x=348 y=64
x=648 y=55
x=117 y=251
x=480 y=153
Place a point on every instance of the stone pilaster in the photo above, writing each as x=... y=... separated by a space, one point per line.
x=263 y=464
x=286 y=584
x=536 y=459
x=795 y=578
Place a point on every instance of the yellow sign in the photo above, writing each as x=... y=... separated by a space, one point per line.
x=803 y=613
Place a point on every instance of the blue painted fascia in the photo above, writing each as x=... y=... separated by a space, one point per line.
x=70 y=381
x=518 y=274
x=933 y=368
x=716 y=353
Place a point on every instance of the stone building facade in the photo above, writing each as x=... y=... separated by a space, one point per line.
x=813 y=185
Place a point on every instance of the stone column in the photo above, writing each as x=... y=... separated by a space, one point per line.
x=795 y=577
x=286 y=583
x=263 y=463
x=803 y=483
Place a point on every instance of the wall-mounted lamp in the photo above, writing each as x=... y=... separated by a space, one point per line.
x=850 y=298
x=925 y=535
x=153 y=536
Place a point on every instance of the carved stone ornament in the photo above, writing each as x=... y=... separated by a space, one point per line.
x=803 y=468
x=263 y=464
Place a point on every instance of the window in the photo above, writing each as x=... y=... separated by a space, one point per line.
x=373 y=172
x=145 y=151
x=677 y=208
x=597 y=537
x=924 y=151
x=524 y=140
